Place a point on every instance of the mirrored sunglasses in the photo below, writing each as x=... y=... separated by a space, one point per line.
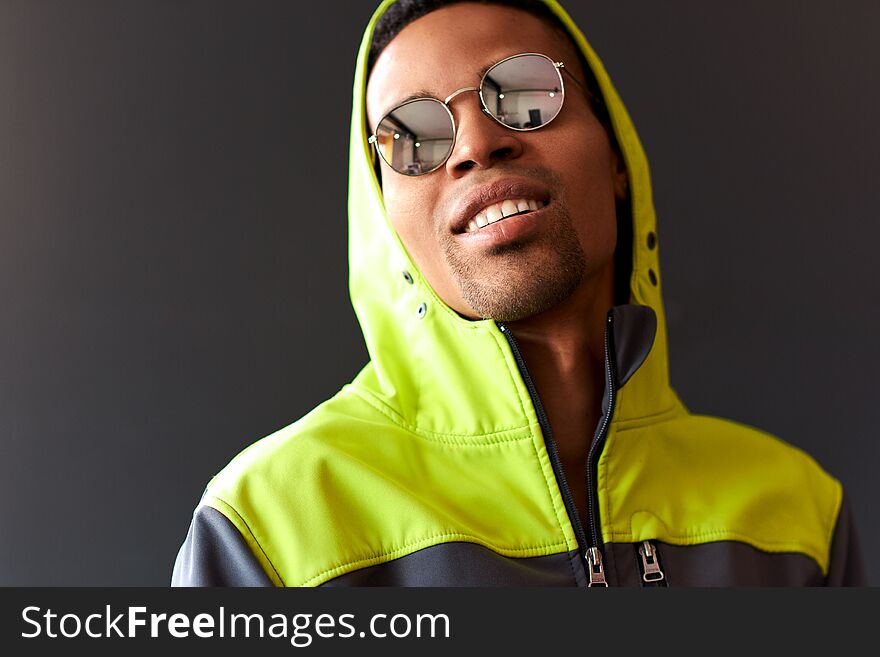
x=522 y=92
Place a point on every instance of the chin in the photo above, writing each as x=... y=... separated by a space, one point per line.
x=514 y=297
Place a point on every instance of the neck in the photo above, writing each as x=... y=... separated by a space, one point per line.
x=564 y=347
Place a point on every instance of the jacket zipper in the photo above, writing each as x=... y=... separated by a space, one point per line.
x=594 y=556
x=652 y=574
x=591 y=552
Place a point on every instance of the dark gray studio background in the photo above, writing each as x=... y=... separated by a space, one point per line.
x=173 y=272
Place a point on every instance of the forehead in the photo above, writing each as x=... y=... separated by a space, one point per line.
x=449 y=48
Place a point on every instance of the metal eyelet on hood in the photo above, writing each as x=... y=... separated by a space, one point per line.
x=422 y=310
x=407 y=277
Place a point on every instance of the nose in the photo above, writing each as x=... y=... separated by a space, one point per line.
x=480 y=141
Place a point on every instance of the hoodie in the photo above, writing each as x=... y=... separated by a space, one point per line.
x=410 y=475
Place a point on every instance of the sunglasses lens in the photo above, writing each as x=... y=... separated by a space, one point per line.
x=523 y=92
x=416 y=137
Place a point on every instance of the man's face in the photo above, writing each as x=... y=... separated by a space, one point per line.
x=522 y=265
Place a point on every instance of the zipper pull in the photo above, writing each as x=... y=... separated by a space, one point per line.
x=595 y=567
x=650 y=563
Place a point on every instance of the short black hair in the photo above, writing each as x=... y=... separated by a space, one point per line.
x=404 y=12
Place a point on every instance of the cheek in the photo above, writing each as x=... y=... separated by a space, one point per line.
x=589 y=184
x=400 y=206
x=410 y=215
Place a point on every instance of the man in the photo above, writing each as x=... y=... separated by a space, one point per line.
x=515 y=425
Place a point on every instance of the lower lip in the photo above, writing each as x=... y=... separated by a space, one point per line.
x=517 y=227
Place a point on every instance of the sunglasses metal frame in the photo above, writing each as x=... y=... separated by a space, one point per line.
x=558 y=66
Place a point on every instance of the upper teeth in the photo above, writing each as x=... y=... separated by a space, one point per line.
x=500 y=210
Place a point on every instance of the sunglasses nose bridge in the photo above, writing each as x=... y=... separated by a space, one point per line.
x=458 y=92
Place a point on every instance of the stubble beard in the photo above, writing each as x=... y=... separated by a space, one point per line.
x=507 y=285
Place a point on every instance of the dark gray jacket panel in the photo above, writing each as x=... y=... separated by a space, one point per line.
x=215 y=554
x=732 y=563
x=719 y=563
x=847 y=566
x=468 y=564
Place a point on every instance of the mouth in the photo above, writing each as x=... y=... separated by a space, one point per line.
x=497 y=203
x=502 y=210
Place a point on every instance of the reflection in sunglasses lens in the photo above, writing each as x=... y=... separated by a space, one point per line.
x=523 y=92
x=416 y=137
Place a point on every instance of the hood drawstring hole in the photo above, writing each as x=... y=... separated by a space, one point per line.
x=653 y=277
x=652 y=240
x=422 y=310
x=407 y=277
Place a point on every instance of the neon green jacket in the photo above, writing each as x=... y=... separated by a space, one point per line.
x=411 y=475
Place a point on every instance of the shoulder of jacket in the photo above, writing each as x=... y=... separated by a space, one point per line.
x=297 y=447
x=756 y=453
x=754 y=447
x=281 y=492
